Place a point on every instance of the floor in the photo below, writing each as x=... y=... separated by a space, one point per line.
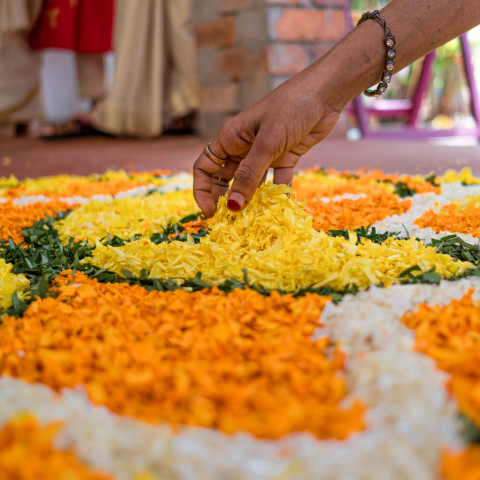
x=26 y=157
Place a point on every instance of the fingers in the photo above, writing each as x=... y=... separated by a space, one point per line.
x=264 y=178
x=210 y=181
x=203 y=185
x=284 y=167
x=283 y=175
x=229 y=142
x=248 y=163
x=221 y=181
x=250 y=172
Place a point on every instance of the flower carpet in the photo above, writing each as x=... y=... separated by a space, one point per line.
x=330 y=331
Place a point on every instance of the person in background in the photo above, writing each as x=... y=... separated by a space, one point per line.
x=85 y=27
x=19 y=67
x=154 y=87
x=155 y=82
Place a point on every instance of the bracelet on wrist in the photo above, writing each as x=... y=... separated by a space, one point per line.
x=391 y=53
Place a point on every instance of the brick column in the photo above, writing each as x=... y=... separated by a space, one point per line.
x=246 y=48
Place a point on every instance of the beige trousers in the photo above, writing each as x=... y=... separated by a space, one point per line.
x=155 y=71
x=19 y=66
x=20 y=98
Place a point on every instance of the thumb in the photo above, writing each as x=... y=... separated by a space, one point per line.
x=210 y=180
x=250 y=172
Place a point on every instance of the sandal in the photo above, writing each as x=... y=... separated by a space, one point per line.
x=72 y=129
x=182 y=126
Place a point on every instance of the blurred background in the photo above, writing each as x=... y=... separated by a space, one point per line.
x=87 y=85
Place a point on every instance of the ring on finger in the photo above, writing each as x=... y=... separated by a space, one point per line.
x=219 y=161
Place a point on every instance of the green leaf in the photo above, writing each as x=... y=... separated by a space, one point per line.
x=432 y=179
x=157 y=284
x=192 y=218
x=365 y=232
x=198 y=281
x=406 y=231
x=402 y=190
x=469 y=429
x=409 y=270
x=431 y=277
x=128 y=274
x=460 y=250
x=42 y=288
x=423 y=277
x=18 y=305
x=76 y=261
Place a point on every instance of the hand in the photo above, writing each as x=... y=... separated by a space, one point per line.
x=288 y=122
x=273 y=133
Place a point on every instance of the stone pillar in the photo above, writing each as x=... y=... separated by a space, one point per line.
x=246 y=48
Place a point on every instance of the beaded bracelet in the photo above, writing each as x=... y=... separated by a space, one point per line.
x=391 y=53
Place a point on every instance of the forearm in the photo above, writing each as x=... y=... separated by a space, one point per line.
x=419 y=26
x=277 y=130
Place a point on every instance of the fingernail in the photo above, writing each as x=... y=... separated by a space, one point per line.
x=235 y=202
x=233 y=206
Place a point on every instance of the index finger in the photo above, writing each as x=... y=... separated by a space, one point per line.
x=207 y=175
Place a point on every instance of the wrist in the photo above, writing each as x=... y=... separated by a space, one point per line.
x=352 y=66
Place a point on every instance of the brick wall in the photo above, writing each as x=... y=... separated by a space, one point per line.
x=245 y=48
x=300 y=32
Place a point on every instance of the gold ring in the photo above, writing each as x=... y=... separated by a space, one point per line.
x=214 y=158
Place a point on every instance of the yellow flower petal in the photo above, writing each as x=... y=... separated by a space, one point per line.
x=278 y=248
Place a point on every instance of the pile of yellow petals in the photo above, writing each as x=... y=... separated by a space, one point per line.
x=110 y=183
x=8 y=182
x=455 y=217
x=127 y=217
x=236 y=362
x=27 y=452
x=462 y=466
x=273 y=239
x=451 y=336
x=14 y=218
x=10 y=283
x=465 y=176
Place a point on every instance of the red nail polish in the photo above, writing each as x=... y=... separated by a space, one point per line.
x=233 y=206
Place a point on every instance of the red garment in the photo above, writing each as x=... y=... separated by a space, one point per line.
x=85 y=26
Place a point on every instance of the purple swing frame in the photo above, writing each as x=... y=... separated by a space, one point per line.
x=410 y=109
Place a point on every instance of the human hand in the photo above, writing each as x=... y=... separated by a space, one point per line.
x=273 y=133
x=287 y=123
x=283 y=126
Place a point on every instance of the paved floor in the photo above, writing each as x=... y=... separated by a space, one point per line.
x=33 y=158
